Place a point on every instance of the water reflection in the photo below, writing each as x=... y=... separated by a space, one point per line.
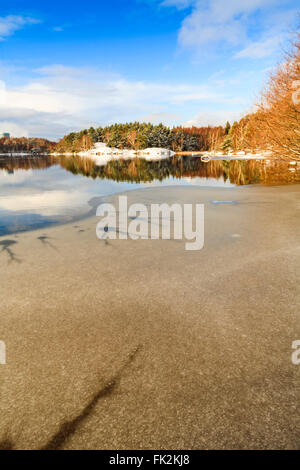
x=237 y=172
x=10 y=164
x=38 y=191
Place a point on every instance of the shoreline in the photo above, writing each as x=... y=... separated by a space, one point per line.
x=91 y=213
x=205 y=156
x=214 y=155
x=82 y=307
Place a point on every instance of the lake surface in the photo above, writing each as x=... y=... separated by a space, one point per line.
x=39 y=191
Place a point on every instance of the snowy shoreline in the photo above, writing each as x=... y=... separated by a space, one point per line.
x=24 y=154
x=101 y=154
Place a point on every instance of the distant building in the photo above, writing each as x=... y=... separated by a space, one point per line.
x=5 y=134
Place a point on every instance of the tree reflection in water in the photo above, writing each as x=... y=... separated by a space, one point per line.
x=238 y=172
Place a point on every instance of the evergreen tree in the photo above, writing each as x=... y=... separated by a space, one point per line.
x=227 y=128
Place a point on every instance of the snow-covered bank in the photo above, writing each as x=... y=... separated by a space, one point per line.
x=101 y=154
x=23 y=154
x=262 y=155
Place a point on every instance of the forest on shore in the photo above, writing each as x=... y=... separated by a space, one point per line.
x=138 y=136
x=24 y=144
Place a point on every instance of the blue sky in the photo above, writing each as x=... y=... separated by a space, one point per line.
x=66 y=65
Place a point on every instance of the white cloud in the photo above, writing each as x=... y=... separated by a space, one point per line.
x=200 y=28
x=218 y=23
x=60 y=99
x=259 y=49
x=64 y=94
x=165 y=118
x=10 y=24
x=59 y=69
x=272 y=39
x=217 y=118
x=13 y=128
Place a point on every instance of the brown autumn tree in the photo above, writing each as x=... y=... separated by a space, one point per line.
x=248 y=135
x=131 y=138
x=278 y=117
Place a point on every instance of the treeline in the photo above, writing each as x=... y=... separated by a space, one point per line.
x=138 y=136
x=23 y=144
